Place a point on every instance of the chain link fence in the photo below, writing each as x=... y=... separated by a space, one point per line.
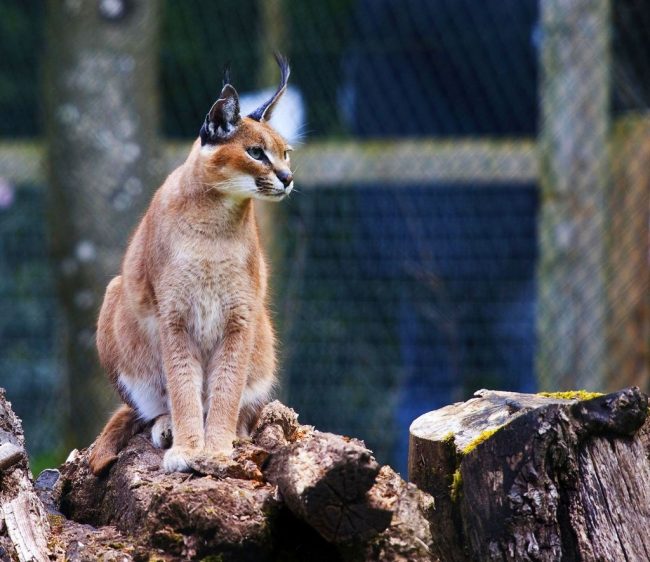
x=471 y=206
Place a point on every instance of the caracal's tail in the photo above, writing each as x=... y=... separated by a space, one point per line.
x=123 y=425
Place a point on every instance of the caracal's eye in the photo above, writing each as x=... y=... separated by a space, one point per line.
x=255 y=152
x=286 y=155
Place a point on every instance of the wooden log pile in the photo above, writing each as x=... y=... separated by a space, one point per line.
x=505 y=476
x=289 y=493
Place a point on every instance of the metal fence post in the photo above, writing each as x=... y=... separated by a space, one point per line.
x=574 y=177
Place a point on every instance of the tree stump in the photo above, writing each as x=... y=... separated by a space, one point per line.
x=534 y=477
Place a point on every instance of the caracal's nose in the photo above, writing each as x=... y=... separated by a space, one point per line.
x=285 y=176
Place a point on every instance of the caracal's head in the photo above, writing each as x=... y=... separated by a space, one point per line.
x=245 y=157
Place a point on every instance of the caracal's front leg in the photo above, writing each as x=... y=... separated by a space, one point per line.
x=184 y=385
x=227 y=373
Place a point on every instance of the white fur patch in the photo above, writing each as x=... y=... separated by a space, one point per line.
x=161 y=432
x=209 y=149
x=176 y=460
x=256 y=393
x=208 y=320
x=242 y=186
x=238 y=185
x=280 y=186
x=146 y=395
x=150 y=325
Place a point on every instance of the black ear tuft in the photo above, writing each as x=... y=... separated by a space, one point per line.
x=226 y=74
x=264 y=111
x=223 y=117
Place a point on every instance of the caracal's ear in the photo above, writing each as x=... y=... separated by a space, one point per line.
x=223 y=118
x=264 y=111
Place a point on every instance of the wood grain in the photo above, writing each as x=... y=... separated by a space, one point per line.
x=27 y=527
x=537 y=478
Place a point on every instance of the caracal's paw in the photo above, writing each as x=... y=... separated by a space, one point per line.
x=216 y=457
x=219 y=465
x=179 y=459
x=219 y=443
x=221 y=451
x=224 y=450
x=161 y=432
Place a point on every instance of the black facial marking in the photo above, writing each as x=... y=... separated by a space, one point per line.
x=263 y=182
x=205 y=135
x=265 y=186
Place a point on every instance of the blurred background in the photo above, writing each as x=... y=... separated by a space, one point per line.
x=472 y=202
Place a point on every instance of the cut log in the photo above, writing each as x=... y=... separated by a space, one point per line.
x=288 y=476
x=229 y=508
x=532 y=477
x=182 y=514
x=409 y=537
x=325 y=479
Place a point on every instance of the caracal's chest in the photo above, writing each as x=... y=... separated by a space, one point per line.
x=210 y=284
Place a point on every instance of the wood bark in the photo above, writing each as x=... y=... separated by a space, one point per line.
x=261 y=504
x=511 y=477
x=326 y=482
x=101 y=118
x=531 y=477
x=22 y=517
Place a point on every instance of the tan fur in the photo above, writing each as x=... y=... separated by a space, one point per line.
x=185 y=328
x=120 y=428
